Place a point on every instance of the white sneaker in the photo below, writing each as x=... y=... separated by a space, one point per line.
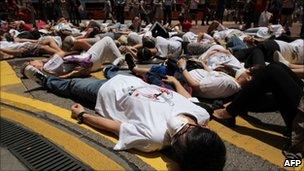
x=119 y=61
x=277 y=57
x=34 y=74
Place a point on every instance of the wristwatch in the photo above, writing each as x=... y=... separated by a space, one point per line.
x=80 y=117
x=182 y=68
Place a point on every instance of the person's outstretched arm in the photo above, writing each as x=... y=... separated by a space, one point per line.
x=96 y=121
x=178 y=86
x=14 y=52
x=182 y=65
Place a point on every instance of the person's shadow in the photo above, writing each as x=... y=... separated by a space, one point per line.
x=276 y=141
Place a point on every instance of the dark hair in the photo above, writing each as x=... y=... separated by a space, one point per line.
x=144 y=54
x=181 y=18
x=256 y=69
x=226 y=69
x=34 y=35
x=8 y=37
x=148 y=42
x=95 y=31
x=203 y=150
x=213 y=26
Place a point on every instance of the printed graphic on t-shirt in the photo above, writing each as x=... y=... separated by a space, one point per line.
x=155 y=94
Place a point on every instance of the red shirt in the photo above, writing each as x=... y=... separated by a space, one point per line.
x=186 y=26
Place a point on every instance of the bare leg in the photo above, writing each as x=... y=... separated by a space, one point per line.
x=50 y=42
x=50 y=50
x=81 y=45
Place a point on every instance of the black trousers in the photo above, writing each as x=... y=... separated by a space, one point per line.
x=120 y=9
x=167 y=14
x=277 y=78
x=259 y=54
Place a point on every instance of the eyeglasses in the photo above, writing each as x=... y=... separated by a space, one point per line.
x=185 y=129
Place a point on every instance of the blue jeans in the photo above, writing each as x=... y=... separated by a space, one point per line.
x=81 y=88
x=236 y=44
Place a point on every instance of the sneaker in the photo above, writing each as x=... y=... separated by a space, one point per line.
x=277 y=57
x=110 y=71
x=34 y=74
x=119 y=61
x=130 y=61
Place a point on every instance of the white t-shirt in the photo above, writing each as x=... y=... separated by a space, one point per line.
x=166 y=47
x=207 y=39
x=12 y=45
x=220 y=58
x=144 y=111
x=66 y=26
x=293 y=52
x=214 y=84
x=221 y=35
x=264 y=32
x=190 y=37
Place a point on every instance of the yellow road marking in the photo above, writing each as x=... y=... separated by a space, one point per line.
x=249 y=142
x=99 y=75
x=7 y=75
x=70 y=143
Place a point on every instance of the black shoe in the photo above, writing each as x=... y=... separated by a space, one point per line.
x=130 y=61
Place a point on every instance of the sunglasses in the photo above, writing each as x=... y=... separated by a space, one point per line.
x=185 y=129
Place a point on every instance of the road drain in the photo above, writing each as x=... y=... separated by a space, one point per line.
x=36 y=152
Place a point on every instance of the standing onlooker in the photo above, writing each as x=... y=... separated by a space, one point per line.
x=133 y=7
x=220 y=10
x=120 y=9
x=57 y=10
x=149 y=15
x=260 y=6
x=158 y=10
x=65 y=9
x=205 y=9
x=275 y=7
x=143 y=13
x=74 y=11
x=167 y=11
x=193 y=10
x=108 y=11
x=29 y=6
x=302 y=28
x=4 y=13
x=249 y=10
x=287 y=11
x=47 y=10
x=239 y=13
